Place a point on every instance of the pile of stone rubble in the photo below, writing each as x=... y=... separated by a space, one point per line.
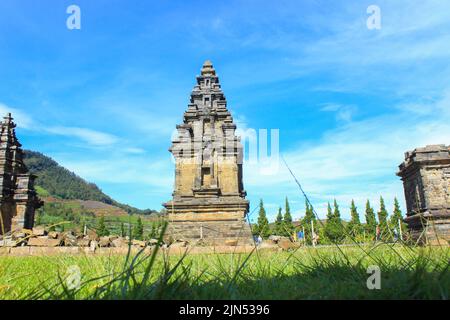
x=40 y=237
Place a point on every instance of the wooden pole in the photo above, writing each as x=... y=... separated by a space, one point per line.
x=313 y=235
x=400 y=228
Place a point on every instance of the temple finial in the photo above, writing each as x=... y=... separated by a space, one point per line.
x=208 y=69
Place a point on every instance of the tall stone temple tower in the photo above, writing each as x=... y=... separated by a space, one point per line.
x=426 y=180
x=209 y=198
x=18 y=199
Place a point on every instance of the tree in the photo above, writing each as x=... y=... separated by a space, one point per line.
x=337 y=213
x=371 y=221
x=306 y=221
x=382 y=220
x=279 y=223
x=332 y=231
x=333 y=227
x=397 y=218
x=138 y=231
x=354 y=225
x=262 y=228
x=102 y=230
x=288 y=227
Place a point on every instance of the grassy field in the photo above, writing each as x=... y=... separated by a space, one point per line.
x=323 y=273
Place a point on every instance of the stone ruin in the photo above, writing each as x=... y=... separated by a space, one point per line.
x=426 y=180
x=208 y=204
x=18 y=199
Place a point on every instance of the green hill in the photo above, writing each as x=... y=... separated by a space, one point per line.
x=56 y=181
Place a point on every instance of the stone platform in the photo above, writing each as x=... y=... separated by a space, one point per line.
x=213 y=229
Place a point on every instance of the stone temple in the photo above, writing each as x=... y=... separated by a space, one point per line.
x=18 y=199
x=426 y=180
x=209 y=199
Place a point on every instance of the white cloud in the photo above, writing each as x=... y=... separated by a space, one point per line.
x=22 y=119
x=156 y=173
x=343 y=112
x=92 y=137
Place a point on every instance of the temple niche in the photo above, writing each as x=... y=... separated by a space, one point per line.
x=18 y=199
x=208 y=199
x=426 y=180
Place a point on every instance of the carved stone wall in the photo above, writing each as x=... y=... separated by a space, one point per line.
x=18 y=199
x=426 y=179
x=208 y=199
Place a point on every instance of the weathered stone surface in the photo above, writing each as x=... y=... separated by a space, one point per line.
x=92 y=235
x=43 y=242
x=53 y=235
x=138 y=243
x=18 y=199
x=8 y=242
x=104 y=242
x=286 y=244
x=231 y=242
x=179 y=244
x=93 y=246
x=426 y=180
x=274 y=238
x=119 y=243
x=69 y=239
x=39 y=231
x=85 y=242
x=209 y=198
x=153 y=242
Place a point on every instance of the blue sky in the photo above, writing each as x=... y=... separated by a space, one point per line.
x=348 y=101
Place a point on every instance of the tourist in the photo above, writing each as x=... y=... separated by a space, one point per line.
x=300 y=236
x=315 y=239
x=259 y=240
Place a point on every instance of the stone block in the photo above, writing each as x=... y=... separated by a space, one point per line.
x=39 y=231
x=43 y=242
x=138 y=243
x=104 y=242
x=85 y=242
x=119 y=243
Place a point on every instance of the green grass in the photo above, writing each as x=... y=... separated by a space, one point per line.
x=323 y=273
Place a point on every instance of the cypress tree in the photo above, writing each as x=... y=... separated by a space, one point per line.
x=262 y=228
x=396 y=217
x=287 y=220
x=279 y=223
x=382 y=220
x=354 y=226
x=138 y=232
x=306 y=221
x=333 y=227
x=371 y=222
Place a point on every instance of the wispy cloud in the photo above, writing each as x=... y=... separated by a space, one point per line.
x=22 y=119
x=92 y=137
x=343 y=112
